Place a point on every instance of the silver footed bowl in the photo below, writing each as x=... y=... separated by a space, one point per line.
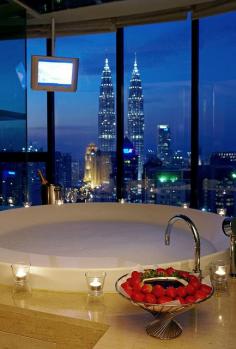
x=164 y=326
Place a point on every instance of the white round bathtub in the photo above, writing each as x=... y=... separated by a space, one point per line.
x=63 y=242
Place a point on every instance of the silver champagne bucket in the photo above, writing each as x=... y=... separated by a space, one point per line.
x=51 y=193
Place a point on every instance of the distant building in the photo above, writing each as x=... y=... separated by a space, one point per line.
x=218 y=183
x=90 y=170
x=136 y=116
x=173 y=187
x=75 y=173
x=178 y=160
x=63 y=169
x=164 y=144
x=98 y=166
x=106 y=114
x=150 y=170
x=223 y=158
x=130 y=161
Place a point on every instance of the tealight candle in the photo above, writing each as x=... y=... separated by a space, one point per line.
x=95 y=282
x=219 y=274
x=27 y=204
x=20 y=273
x=95 y=285
x=220 y=271
x=59 y=202
x=221 y=211
x=185 y=205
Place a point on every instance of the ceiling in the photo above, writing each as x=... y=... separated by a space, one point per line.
x=65 y=11
x=48 y=6
x=89 y=16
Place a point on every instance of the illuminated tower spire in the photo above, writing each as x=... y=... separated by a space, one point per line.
x=136 y=116
x=106 y=114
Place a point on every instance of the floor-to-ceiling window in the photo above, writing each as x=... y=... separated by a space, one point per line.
x=157 y=113
x=157 y=64
x=86 y=120
x=217 y=107
x=13 y=116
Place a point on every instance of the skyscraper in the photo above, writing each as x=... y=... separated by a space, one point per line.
x=106 y=114
x=97 y=166
x=136 y=116
x=163 y=144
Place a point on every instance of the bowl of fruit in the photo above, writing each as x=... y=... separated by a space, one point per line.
x=164 y=293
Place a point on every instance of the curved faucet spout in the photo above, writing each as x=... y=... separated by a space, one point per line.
x=195 y=236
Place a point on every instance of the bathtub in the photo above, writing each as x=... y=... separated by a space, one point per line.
x=63 y=242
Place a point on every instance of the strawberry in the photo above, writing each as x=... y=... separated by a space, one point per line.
x=147 y=288
x=181 y=291
x=205 y=288
x=195 y=283
x=127 y=288
x=161 y=272
x=150 y=298
x=190 y=299
x=164 y=299
x=130 y=281
x=137 y=296
x=136 y=284
x=190 y=289
x=158 y=291
x=135 y=275
x=199 y=295
x=170 y=271
x=180 y=299
x=171 y=292
x=183 y=274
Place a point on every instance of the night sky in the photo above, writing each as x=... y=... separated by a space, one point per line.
x=164 y=60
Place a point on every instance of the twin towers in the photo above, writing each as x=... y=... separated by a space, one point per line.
x=107 y=115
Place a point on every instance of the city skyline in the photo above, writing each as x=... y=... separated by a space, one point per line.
x=163 y=52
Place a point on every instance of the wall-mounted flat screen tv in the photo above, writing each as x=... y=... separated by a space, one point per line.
x=49 y=73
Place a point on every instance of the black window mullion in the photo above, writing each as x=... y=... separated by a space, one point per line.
x=194 y=194
x=50 y=165
x=120 y=112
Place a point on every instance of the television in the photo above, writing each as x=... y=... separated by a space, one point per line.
x=49 y=73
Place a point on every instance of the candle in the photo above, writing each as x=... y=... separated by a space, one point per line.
x=59 y=202
x=21 y=274
x=95 y=282
x=27 y=204
x=96 y=285
x=220 y=271
x=221 y=211
x=220 y=274
x=185 y=205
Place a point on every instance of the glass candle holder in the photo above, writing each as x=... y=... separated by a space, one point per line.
x=20 y=275
x=59 y=202
x=95 y=281
x=219 y=274
x=221 y=211
x=27 y=204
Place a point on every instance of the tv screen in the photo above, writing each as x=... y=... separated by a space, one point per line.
x=50 y=73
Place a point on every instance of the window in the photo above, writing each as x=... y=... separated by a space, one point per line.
x=157 y=113
x=86 y=120
x=12 y=96
x=36 y=102
x=217 y=113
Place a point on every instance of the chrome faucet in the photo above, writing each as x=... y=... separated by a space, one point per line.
x=229 y=229
x=181 y=217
